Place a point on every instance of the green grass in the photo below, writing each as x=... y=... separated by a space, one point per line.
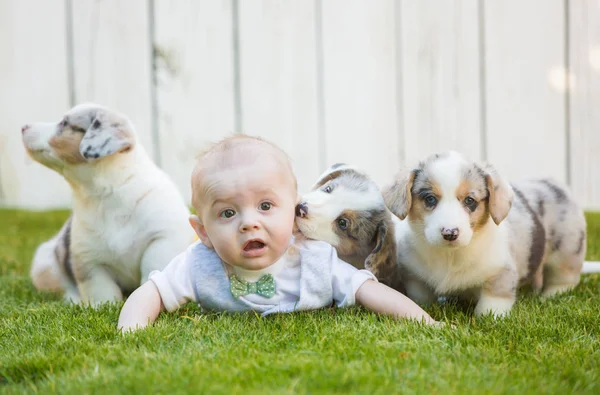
x=48 y=346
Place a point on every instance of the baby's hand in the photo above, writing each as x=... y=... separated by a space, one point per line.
x=380 y=298
x=141 y=308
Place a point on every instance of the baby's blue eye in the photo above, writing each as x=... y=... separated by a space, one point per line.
x=265 y=206
x=227 y=213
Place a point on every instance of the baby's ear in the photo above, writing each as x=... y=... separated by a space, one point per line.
x=200 y=230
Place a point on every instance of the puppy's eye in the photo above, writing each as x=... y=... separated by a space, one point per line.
x=327 y=189
x=227 y=213
x=265 y=206
x=77 y=129
x=342 y=223
x=430 y=201
x=470 y=203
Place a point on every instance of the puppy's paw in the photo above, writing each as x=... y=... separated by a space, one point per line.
x=497 y=306
x=72 y=296
x=419 y=292
x=439 y=324
x=554 y=290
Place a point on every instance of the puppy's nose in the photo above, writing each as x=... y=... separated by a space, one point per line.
x=450 y=234
x=24 y=128
x=301 y=210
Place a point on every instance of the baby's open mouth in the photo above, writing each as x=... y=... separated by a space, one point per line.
x=253 y=245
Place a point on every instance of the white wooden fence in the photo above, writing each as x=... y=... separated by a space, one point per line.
x=376 y=83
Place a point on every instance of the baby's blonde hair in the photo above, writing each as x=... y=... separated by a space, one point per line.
x=220 y=154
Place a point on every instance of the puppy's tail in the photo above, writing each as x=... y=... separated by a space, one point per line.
x=45 y=271
x=590 y=267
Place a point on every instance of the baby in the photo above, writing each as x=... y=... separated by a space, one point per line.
x=244 y=192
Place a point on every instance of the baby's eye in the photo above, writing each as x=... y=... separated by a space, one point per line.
x=327 y=189
x=227 y=213
x=265 y=206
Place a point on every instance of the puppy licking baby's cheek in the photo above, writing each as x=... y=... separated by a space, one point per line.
x=345 y=208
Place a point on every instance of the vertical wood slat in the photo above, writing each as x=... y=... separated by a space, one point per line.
x=195 y=92
x=359 y=76
x=525 y=104
x=364 y=48
x=440 y=78
x=34 y=88
x=278 y=80
x=584 y=100
x=112 y=59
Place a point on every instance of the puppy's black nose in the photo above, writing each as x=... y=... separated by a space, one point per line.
x=450 y=234
x=301 y=210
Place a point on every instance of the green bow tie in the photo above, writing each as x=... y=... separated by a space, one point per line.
x=265 y=286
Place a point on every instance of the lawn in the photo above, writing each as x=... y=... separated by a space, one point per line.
x=48 y=346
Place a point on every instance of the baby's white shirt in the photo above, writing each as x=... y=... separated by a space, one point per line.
x=176 y=288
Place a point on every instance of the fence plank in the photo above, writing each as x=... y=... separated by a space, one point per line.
x=278 y=79
x=584 y=56
x=111 y=50
x=195 y=81
x=440 y=78
x=525 y=103
x=375 y=84
x=359 y=85
x=34 y=88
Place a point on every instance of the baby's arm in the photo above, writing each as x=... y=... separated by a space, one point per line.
x=382 y=299
x=351 y=286
x=167 y=290
x=141 y=308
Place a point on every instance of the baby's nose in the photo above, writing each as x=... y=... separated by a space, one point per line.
x=249 y=223
x=248 y=227
x=24 y=128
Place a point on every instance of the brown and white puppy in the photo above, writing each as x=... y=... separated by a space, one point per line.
x=461 y=236
x=128 y=218
x=346 y=209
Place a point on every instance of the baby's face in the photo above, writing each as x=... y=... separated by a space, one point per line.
x=248 y=213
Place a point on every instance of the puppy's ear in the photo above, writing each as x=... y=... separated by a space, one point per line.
x=382 y=260
x=500 y=194
x=107 y=134
x=332 y=173
x=398 y=196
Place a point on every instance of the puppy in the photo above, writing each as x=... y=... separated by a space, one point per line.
x=346 y=209
x=128 y=218
x=461 y=236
